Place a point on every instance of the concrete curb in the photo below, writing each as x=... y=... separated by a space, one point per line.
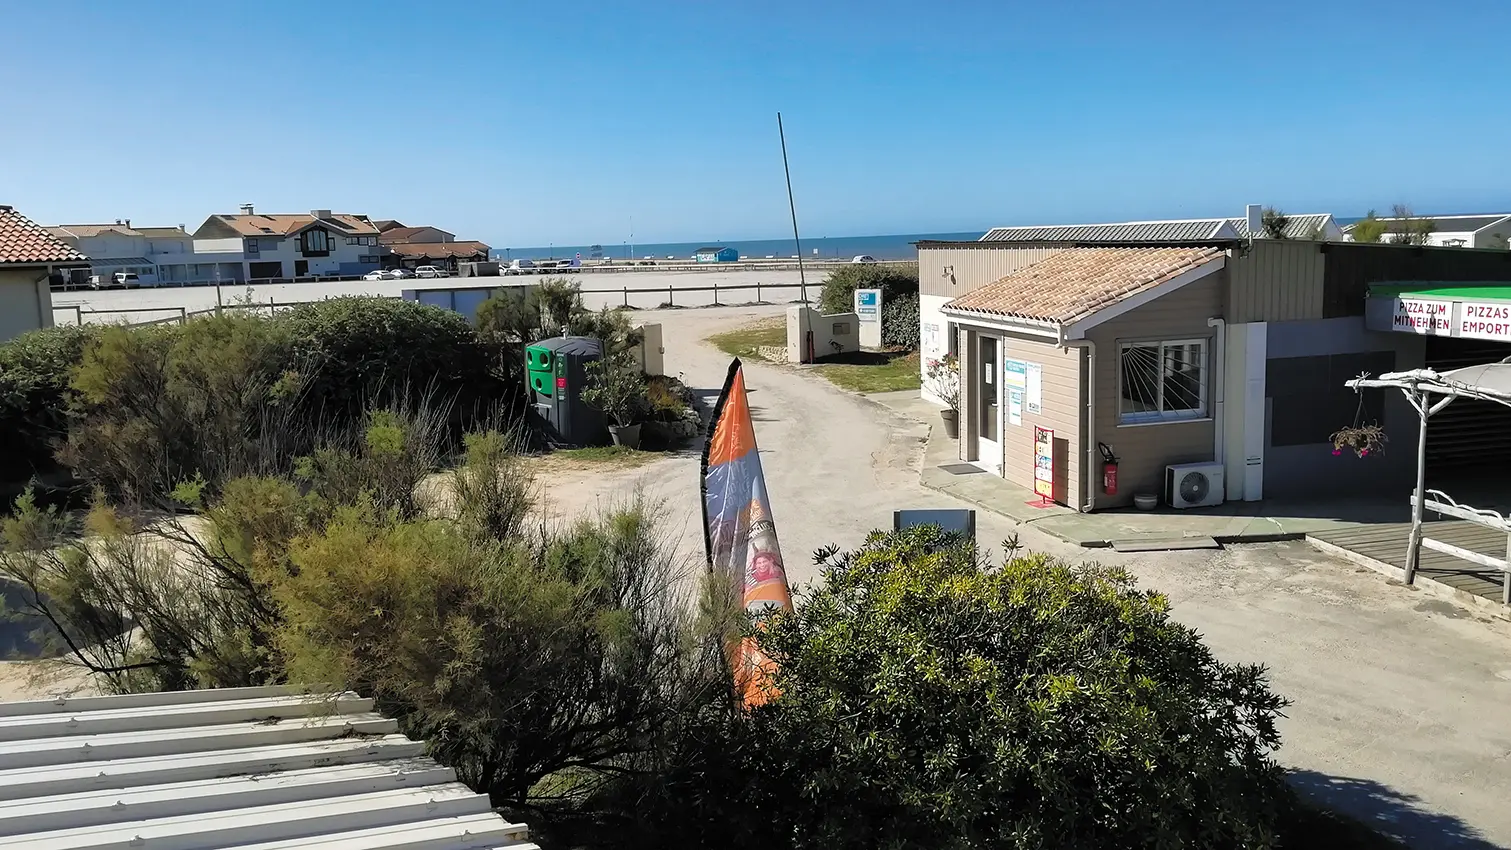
x=1428 y=585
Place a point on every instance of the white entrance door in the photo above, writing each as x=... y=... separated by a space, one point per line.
x=988 y=388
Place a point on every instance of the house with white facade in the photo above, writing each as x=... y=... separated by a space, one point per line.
x=1480 y=230
x=111 y=248
x=289 y=246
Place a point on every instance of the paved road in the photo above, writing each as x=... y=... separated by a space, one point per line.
x=641 y=289
x=1401 y=703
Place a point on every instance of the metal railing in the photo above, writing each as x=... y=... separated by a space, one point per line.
x=1440 y=502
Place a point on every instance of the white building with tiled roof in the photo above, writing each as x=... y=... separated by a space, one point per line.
x=29 y=256
x=286 y=246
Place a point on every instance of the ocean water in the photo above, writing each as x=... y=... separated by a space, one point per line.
x=898 y=247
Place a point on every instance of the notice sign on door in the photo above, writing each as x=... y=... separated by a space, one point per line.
x=1485 y=320
x=1419 y=315
x=1044 y=463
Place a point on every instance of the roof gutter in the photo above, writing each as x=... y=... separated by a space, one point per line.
x=1011 y=324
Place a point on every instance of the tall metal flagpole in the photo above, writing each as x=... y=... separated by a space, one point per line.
x=801 y=277
x=806 y=343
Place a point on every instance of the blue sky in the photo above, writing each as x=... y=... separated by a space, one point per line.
x=521 y=123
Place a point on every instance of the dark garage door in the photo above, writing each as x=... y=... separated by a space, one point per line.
x=1468 y=434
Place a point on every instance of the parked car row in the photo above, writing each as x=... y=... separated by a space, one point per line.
x=406 y=274
x=541 y=267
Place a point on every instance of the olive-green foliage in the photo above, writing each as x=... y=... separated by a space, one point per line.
x=893 y=279
x=161 y=404
x=360 y=352
x=538 y=666
x=926 y=699
x=233 y=394
x=34 y=374
x=899 y=322
x=1273 y=223
x=525 y=315
x=1370 y=228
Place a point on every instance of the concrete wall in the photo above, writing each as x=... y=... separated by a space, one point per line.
x=834 y=334
x=25 y=301
x=1311 y=470
x=933 y=339
x=1145 y=449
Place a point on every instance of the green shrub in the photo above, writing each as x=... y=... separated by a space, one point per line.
x=928 y=700
x=360 y=352
x=158 y=405
x=893 y=279
x=35 y=368
x=899 y=322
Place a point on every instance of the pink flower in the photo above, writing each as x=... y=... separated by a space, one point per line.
x=1337 y=452
x=1363 y=452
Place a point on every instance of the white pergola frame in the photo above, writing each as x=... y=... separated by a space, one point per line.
x=1430 y=391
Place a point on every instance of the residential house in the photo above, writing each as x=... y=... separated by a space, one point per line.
x=285 y=246
x=401 y=234
x=112 y=248
x=439 y=254
x=1176 y=343
x=1491 y=230
x=716 y=254
x=29 y=256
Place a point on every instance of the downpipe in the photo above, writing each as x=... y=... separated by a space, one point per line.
x=1219 y=394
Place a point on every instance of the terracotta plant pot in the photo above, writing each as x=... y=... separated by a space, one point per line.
x=625 y=435
x=951 y=423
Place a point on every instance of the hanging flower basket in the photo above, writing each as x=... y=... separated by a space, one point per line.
x=1362 y=440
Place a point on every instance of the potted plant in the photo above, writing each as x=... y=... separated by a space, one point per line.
x=616 y=387
x=1362 y=440
x=943 y=376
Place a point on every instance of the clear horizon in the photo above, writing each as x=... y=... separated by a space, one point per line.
x=580 y=122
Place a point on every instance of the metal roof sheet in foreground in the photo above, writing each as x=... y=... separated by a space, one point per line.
x=250 y=768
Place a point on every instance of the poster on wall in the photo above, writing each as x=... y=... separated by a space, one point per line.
x=1044 y=463
x=1035 y=389
x=1015 y=374
x=1015 y=407
x=930 y=338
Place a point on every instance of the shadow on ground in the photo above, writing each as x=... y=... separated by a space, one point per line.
x=1393 y=813
x=863 y=358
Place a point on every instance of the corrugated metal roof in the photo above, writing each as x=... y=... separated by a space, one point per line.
x=251 y=768
x=1174 y=230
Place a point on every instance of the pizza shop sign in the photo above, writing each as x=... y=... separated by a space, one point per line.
x=1421 y=316
x=1488 y=320
x=1485 y=320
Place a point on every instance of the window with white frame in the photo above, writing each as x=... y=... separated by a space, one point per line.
x=1162 y=381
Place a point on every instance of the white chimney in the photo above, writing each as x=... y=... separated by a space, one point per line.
x=246 y=209
x=321 y=214
x=1256 y=219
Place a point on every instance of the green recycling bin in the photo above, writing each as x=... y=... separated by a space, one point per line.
x=556 y=370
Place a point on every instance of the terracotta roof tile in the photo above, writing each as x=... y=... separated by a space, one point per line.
x=436 y=250
x=1071 y=285
x=23 y=241
x=283 y=224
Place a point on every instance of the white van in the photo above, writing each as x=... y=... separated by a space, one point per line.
x=520 y=267
x=126 y=280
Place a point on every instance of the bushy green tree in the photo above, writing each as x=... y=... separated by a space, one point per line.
x=1369 y=229
x=1274 y=223
x=925 y=699
x=900 y=322
x=35 y=369
x=893 y=279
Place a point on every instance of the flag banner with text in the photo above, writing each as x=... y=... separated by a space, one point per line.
x=738 y=532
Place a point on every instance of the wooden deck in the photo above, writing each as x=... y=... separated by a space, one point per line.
x=1386 y=543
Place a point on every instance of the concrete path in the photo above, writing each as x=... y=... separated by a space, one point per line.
x=1401 y=709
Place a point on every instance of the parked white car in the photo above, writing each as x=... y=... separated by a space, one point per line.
x=429 y=271
x=378 y=275
x=863 y=258
x=520 y=267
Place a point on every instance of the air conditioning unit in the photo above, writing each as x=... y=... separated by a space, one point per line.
x=1193 y=485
